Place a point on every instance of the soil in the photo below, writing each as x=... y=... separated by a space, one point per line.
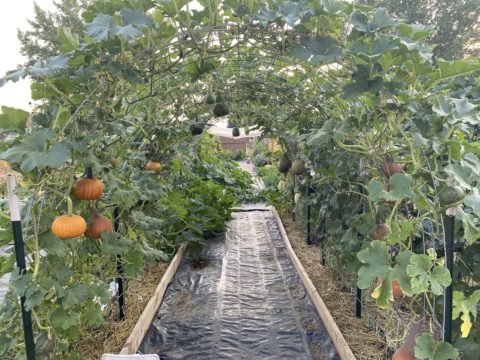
x=111 y=336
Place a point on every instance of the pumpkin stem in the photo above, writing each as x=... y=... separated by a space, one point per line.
x=94 y=211
x=69 y=205
x=89 y=173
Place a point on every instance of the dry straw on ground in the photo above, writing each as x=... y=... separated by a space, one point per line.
x=362 y=339
x=111 y=336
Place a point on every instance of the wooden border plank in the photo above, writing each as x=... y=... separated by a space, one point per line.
x=135 y=339
x=339 y=341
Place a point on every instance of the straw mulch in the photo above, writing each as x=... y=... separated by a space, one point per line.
x=111 y=336
x=362 y=340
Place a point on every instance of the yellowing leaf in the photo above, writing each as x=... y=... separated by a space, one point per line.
x=376 y=292
x=466 y=322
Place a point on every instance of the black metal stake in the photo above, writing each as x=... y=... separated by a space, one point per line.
x=119 y=279
x=448 y=295
x=20 y=257
x=358 y=303
x=309 y=214
x=358 y=296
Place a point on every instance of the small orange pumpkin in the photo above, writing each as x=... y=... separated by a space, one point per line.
x=380 y=232
x=154 y=166
x=397 y=291
x=99 y=224
x=88 y=189
x=69 y=226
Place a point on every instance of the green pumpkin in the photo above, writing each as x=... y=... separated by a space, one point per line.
x=451 y=196
x=220 y=110
x=235 y=132
x=196 y=128
x=298 y=167
x=284 y=164
x=210 y=99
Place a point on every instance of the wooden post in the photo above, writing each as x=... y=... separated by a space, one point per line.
x=20 y=257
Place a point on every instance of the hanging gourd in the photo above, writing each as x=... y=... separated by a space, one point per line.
x=88 y=188
x=210 y=99
x=284 y=164
x=220 y=110
x=451 y=196
x=235 y=132
x=70 y=225
x=298 y=167
x=98 y=225
x=196 y=128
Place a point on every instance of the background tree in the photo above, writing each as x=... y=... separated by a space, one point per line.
x=457 y=30
x=41 y=40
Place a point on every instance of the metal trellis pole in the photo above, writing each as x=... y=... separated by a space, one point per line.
x=358 y=295
x=119 y=279
x=309 y=211
x=20 y=257
x=448 y=295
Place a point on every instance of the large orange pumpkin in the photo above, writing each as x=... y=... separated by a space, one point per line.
x=69 y=226
x=88 y=189
x=99 y=224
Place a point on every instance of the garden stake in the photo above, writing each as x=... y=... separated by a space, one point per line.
x=358 y=296
x=20 y=257
x=309 y=212
x=448 y=294
x=119 y=279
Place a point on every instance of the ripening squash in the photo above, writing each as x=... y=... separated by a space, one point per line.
x=281 y=185
x=451 y=196
x=235 y=132
x=220 y=110
x=98 y=225
x=397 y=291
x=391 y=168
x=407 y=350
x=88 y=188
x=154 y=166
x=210 y=99
x=284 y=164
x=298 y=167
x=380 y=232
x=69 y=226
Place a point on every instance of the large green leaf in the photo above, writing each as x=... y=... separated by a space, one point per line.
x=319 y=50
x=376 y=263
x=101 y=27
x=11 y=118
x=380 y=46
x=362 y=83
x=428 y=349
x=380 y=20
x=424 y=275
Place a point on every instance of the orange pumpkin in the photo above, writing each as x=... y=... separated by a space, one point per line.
x=154 y=166
x=395 y=286
x=99 y=224
x=88 y=189
x=69 y=226
x=380 y=232
x=391 y=168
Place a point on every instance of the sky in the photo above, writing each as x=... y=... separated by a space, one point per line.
x=14 y=15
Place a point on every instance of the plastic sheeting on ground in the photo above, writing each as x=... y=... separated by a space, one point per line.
x=245 y=301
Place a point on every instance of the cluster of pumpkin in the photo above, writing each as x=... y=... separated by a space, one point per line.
x=297 y=166
x=71 y=225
